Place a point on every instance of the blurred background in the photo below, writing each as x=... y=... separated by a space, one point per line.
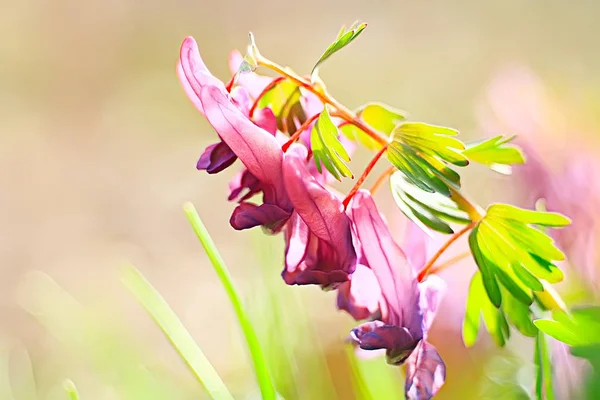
x=98 y=147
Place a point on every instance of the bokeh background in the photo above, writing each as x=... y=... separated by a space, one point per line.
x=98 y=146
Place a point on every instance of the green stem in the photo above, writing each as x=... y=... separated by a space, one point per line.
x=260 y=364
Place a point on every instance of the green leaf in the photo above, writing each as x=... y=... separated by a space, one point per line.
x=71 y=390
x=475 y=299
x=518 y=314
x=343 y=39
x=284 y=100
x=354 y=133
x=551 y=219
x=260 y=364
x=381 y=117
x=579 y=328
x=181 y=339
x=486 y=268
x=496 y=153
x=432 y=140
x=327 y=148
x=543 y=387
x=426 y=209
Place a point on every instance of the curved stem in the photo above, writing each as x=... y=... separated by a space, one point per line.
x=440 y=267
x=364 y=175
x=299 y=131
x=427 y=268
x=385 y=174
x=341 y=110
x=475 y=212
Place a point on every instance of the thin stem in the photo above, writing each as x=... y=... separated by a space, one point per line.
x=341 y=110
x=426 y=269
x=299 y=131
x=364 y=175
x=270 y=86
x=440 y=267
x=384 y=175
x=231 y=83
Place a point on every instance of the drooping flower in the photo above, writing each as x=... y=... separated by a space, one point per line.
x=194 y=75
x=318 y=236
x=406 y=307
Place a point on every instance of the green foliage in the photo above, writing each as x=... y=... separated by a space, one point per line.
x=509 y=249
x=343 y=39
x=422 y=152
x=284 y=100
x=426 y=209
x=543 y=387
x=260 y=364
x=327 y=148
x=496 y=153
x=356 y=134
x=381 y=117
x=579 y=328
x=181 y=339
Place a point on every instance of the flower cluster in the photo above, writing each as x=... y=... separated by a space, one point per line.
x=337 y=243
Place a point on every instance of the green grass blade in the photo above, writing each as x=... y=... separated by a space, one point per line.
x=260 y=363
x=71 y=390
x=173 y=328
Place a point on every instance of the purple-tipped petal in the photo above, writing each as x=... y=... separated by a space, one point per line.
x=216 y=158
x=376 y=335
x=361 y=295
x=331 y=257
x=425 y=373
x=193 y=73
x=241 y=181
x=390 y=265
x=255 y=147
x=248 y=215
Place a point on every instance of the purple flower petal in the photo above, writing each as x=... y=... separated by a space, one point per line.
x=361 y=295
x=425 y=373
x=415 y=245
x=243 y=180
x=297 y=237
x=376 y=335
x=216 y=158
x=248 y=215
x=241 y=99
x=392 y=270
x=265 y=119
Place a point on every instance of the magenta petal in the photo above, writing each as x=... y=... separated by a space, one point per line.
x=376 y=335
x=393 y=272
x=243 y=180
x=216 y=158
x=193 y=73
x=425 y=373
x=265 y=119
x=360 y=296
x=248 y=215
x=255 y=147
x=241 y=99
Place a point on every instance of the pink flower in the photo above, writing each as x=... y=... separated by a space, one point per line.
x=318 y=236
x=407 y=308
